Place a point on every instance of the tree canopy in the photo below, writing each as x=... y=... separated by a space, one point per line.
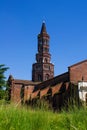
x=2 y=76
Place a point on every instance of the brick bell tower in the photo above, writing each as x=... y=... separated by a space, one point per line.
x=43 y=69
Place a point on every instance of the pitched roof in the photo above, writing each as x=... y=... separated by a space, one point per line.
x=25 y=82
x=35 y=94
x=56 y=88
x=51 y=82
x=60 y=87
x=77 y=63
x=43 y=92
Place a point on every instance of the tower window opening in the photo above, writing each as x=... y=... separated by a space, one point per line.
x=47 y=77
x=40 y=41
x=45 y=49
x=40 y=60
x=39 y=77
x=47 y=42
x=45 y=60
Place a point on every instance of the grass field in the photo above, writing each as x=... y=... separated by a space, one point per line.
x=21 y=118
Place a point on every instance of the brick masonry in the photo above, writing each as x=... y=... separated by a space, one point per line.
x=24 y=90
x=78 y=72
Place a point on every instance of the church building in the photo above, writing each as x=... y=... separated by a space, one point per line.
x=56 y=90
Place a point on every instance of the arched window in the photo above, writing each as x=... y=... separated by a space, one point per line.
x=40 y=60
x=39 y=77
x=47 y=77
x=45 y=60
x=47 y=42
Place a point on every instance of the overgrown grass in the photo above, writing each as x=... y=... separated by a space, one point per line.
x=21 y=118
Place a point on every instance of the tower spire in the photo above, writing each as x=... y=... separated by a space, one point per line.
x=43 y=28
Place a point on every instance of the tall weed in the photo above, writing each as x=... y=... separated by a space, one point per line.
x=22 y=118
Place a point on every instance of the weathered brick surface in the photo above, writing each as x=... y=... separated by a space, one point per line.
x=15 y=93
x=78 y=72
x=75 y=73
x=27 y=92
x=20 y=90
x=43 y=69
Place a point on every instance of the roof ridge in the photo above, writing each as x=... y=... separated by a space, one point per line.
x=78 y=63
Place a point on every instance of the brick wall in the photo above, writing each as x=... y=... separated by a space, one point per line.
x=15 y=93
x=78 y=72
x=27 y=92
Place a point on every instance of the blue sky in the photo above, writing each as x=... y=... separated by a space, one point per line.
x=20 y=23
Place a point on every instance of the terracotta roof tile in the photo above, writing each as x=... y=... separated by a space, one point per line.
x=51 y=82
x=78 y=63
x=43 y=92
x=35 y=94
x=26 y=82
x=56 y=88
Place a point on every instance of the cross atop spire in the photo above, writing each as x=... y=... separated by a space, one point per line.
x=43 y=29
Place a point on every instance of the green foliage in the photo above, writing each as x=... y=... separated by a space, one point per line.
x=3 y=93
x=12 y=118
x=41 y=104
x=2 y=77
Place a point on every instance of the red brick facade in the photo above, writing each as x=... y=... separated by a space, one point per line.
x=27 y=92
x=78 y=71
x=20 y=90
x=56 y=90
